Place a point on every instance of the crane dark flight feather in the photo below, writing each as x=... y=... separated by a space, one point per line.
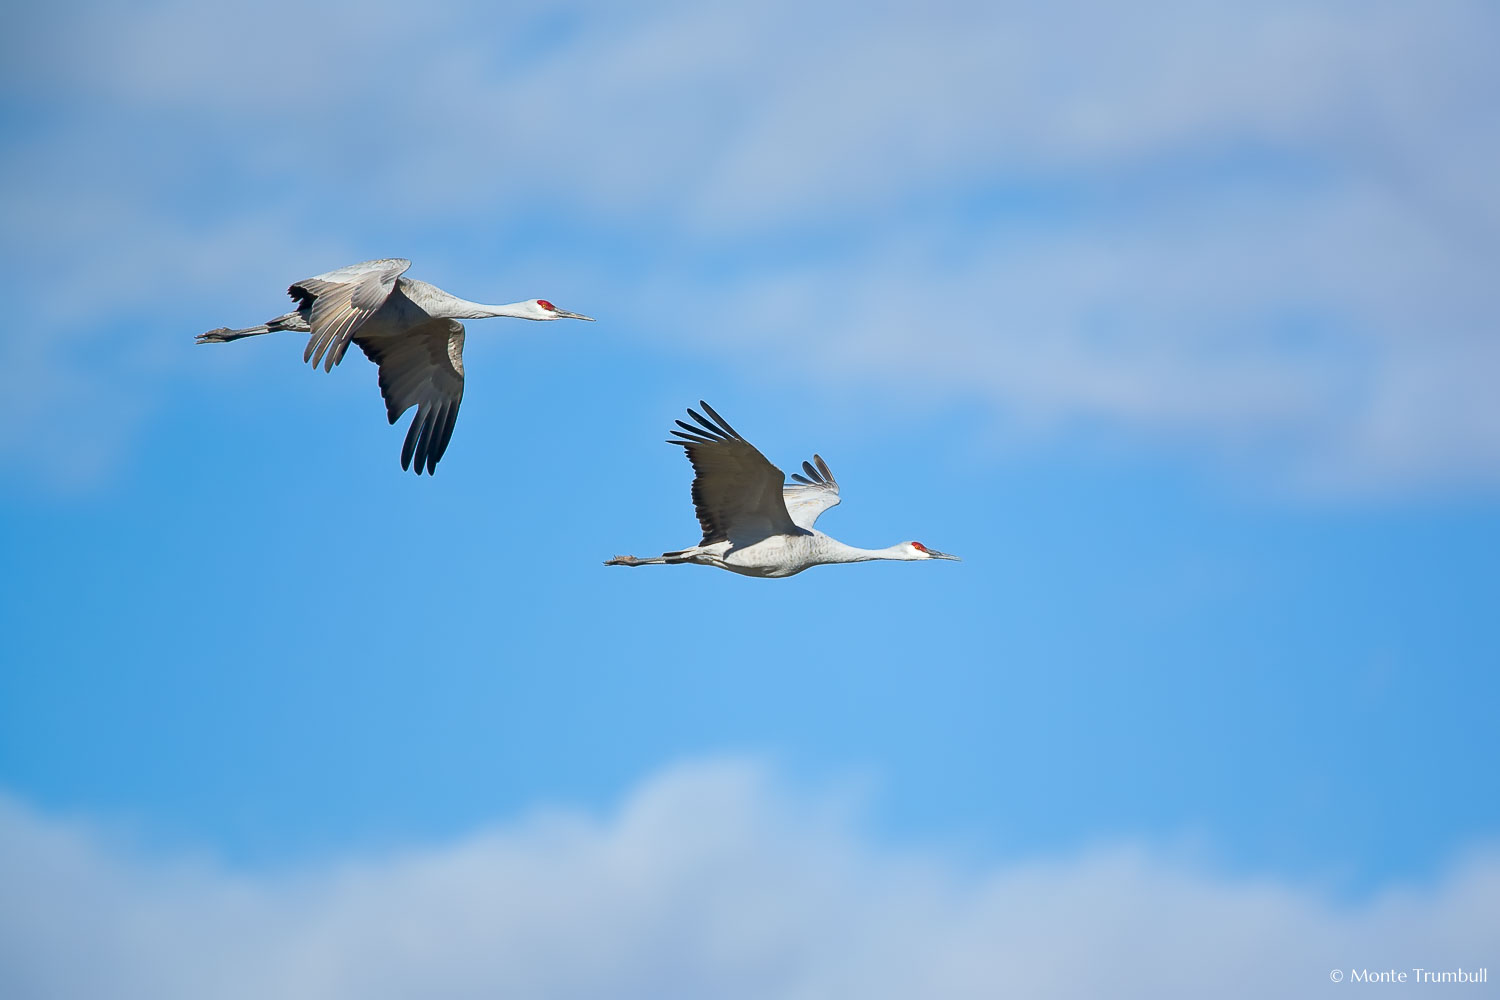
x=734 y=484
x=424 y=369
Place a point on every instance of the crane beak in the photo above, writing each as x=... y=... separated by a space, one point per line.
x=943 y=555
x=564 y=314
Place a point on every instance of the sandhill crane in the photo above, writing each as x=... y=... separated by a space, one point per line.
x=409 y=328
x=754 y=522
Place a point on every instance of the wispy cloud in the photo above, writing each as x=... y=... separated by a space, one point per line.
x=710 y=880
x=1264 y=230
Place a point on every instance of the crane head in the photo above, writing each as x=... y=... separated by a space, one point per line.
x=917 y=550
x=542 y=309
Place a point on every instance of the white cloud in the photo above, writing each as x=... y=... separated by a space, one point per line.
x=1268 y=223
x=1211 y=326
x=710 y=880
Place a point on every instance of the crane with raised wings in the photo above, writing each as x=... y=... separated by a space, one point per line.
x=754 y=522
x=410 y=330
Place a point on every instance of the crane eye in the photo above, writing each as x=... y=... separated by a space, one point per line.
x=546 y=305
x=919 y=546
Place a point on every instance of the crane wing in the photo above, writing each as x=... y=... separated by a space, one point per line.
x=341 y=300
x=423 y=367
x=736 y=491
x=811 y=494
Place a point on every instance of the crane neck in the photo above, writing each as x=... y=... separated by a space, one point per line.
x=838 y=552
x=434 y=301
x=464 y=309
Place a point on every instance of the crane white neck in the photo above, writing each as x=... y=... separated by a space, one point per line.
x=435 y=302
x=837 y=552
x=464 y=309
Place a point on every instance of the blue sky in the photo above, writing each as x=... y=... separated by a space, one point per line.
x=1176 y=324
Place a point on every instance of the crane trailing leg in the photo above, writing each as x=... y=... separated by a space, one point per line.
x=666 y=558
x=223 y=335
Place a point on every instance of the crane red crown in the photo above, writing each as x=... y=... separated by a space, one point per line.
x=546 y=305
x=919 y=546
